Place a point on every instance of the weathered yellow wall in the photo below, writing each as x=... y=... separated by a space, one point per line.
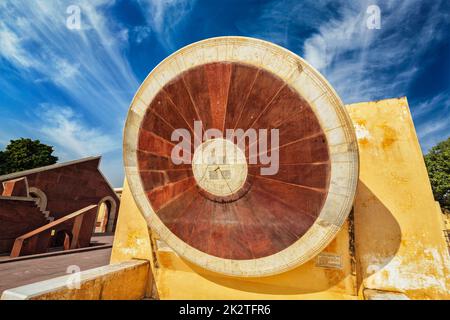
x=399 y=241
x=400 y=245
x=132 y=237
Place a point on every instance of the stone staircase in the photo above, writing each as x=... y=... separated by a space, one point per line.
x=19 y=188
x=45 y=213
x=19 y=212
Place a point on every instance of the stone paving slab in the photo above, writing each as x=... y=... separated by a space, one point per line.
x=24 y=272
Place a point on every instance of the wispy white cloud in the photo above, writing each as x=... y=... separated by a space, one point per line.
x=72 y=137
x=439 y=103
x=287 y=22
x=10 y=48
x=427 y=129
x=163 y=17
x=363 y=64
x=89 y=67
x=432 y=127
x=88 y=64
x=367 y=64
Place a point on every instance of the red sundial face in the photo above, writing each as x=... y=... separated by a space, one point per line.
x=236 y=209
x=229 y=209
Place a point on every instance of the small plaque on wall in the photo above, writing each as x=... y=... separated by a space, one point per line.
x=329 y=260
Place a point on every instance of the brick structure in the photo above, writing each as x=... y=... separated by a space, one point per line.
x=33 y=198
x=18 y=215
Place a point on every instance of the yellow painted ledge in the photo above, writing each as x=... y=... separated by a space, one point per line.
x=122 y=281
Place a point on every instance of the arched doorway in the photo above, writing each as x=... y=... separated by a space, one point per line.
x=40 y=196
x=41 y=201
x=61 y=239
x=106 y=215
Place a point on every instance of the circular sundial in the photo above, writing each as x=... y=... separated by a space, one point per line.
x=223 y=203
x=219 y=167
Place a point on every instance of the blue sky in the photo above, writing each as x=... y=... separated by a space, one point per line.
x=72 y=88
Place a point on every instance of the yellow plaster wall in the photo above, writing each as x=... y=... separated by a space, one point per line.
x=400 y=245
x=132 y=237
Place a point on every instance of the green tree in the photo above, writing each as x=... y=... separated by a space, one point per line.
x=24 y=154
x=3 y=165
x=438 y=164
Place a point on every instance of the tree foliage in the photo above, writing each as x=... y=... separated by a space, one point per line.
x=24 y=154
x=438 y=164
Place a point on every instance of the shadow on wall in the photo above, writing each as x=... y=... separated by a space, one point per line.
x=301 y=280
x=305 y=279
x=377 y=233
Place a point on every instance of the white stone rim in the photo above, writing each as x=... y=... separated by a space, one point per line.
x=332 y=117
